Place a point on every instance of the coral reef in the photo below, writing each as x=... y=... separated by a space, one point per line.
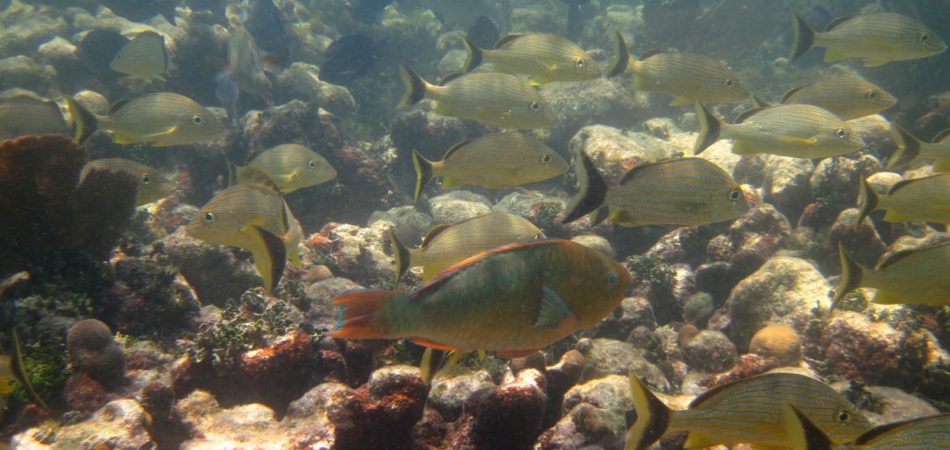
x=93 y=351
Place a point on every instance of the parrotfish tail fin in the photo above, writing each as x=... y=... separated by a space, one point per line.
x=592 y=191
x=908 y=147
x=270 y=256
x=804 y=37
x=358 y=307
x=432 y=361
x=85 y=122
x=415 y=86
x=709 y=129
x=867 y=201
x=621 y=57
x=653 y=417
x=851 y=274
x=401 y=253
x=423 y=173
x=474 y=55
x=802 y=433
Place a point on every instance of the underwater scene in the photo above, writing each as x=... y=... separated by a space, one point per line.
x=474 y=224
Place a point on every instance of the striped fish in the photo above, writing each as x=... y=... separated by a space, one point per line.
x=497 y=99
x=152 y=186
x=22 y=114
x=911 y=150
x=919 y=199
x=877 y=39
x=514 y=300
x=800 y=131
x=445 y=245
x=247 y=65
x=682 y=191
x=749 y=411
x=144 y=56
x=931 y=432
x=544 y=57
x=492 y=161
x=849 y=97
x=687 y=77
x=915 y=276
x=291 y=167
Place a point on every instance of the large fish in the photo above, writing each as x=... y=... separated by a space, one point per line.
x=877 y=39
x=917 y=276
x=682 y=191
x=496 y=99
x=849 y=97
x=25 y=114
x=911 y=150
x=144 y=56
x=291 y=167
x=513 y=299
x=919 y=199
x=153 y=186
x=247 y=65
x=800 y=131
x=544 y=57
x=445 y=245
x=161 y=119
x=749 y=411
x=932 y=432
x=687 y=77
x=491 y=161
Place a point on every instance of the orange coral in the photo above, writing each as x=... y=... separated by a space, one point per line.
x=778 y=341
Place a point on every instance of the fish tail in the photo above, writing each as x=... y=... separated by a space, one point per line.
x=851 y=274
x=653 y=417
x=803 y=38
x=908 y=147
x=474 y=55
x=432 y=360
x=270 y=257
x=710 y=128
x=802 y=433
x=358 y=308
x=86 y=122
x=423 y=173
x=593 y=190
x=415 y=86
x=621 y=57
x=867 y=201
x=401 y=253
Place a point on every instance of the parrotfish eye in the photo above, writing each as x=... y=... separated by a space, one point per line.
x=535 y=106
x=841 y=133
x=728 y=82
x=870 y=95
x=734 y=194
x=146 y=179
x=209 y=217
x=197 y=119
x=312 y=164
x=611 y=279
x=580 y=63
x=842 y=416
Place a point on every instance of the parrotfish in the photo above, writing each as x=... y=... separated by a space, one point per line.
x=544 y=57
x=153 y=186
x=919 y=199
x=291 y=167
x=513 y=299
x=932 y=432
x=911 y=150
x=849 y=97
x=915 y=276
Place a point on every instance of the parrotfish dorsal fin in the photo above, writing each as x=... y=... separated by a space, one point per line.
x=837 y=22
x=458 y=146
x=433 y=232
x=507 y=39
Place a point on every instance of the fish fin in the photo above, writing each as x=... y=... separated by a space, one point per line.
x=837 y=21
x=117 y=105
x=710 y=127
x=85 y=122
x=896 y=217
x=428 y=343
x=481 y=354
x=653 y=417
x=256 y=177
x=802 y=433
x=552 y=311
x=941 y=136
x=640 y=83
x=358 y=308
x=680 y=101
x=516 y=353
x=593 y=190
x=435 y=231
x=759 y=102
x=745 y=148
x=803 y=38
x=154 y=136
x=789 y=93
x=883 y=297
x=430 y=364
x=401 y=254
x=868 y=200
x=507 y=39
x=908 y=147
x=875 y=62
x=473 y=55
x=423 y=173
x=942 y=165
x=293 y=254
x=269 y=254
x=455 y=148
x=442 y=81
x=621 y=217
x=745 y=115
x=600 y=214
x=449 y=182
x=415 y=86
x=851 y=275
x=698 y=439
x=535 y=82
x=621 y=57
x=791 y=140
x=833 y=54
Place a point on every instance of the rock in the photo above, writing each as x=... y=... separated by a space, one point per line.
x=319 y=310
x=122 y=424
x=751 y=239
x=595 y=242
x=410 y=224
x=609 y=357
x=786 y=183
x=23 y=72
x=611 y=393
x=615 y=152
x=358 y=253
x=429 y=133
x=875 y=130
x=778 y=341
x=682 y=245
x=633 y=312
x=508 y=416
x=453 y=61
x=250 y=424
x=585 y=426
x=698 y=308
x=301 y=81
x=22 y=31
x=602 y=101
x=717 y=278
x=93 y=101
x=456 y=206
x=61 y=55
x=540 y=209
x=834 y=184
x=215 y=272
x=560 y=378
x=862 y=242
x=896 y=405
x=93 y=351
x=453 y=386
x=709 y=351
x=855 y=348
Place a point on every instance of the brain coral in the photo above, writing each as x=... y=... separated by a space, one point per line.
x=778 y=341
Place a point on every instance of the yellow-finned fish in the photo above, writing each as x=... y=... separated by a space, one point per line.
x=544 y=57
x=877 y=38
x=687 y=77
x=911 y=150
x=915 y=276
x=682 y=191
x=161 y=119
x=291 y=167
x=748 y=411
x=800 y=131
x=496 y=99
x=254 y=217
x=153 y=186
x=445 y=245
x=932 y=432
x=849 y=97
x=247 y=65
x=492 y=161
x=144 y=56
x=919 y=199
x=23 y=114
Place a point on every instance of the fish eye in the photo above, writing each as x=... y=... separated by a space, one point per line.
x=209 y=217
x=539 y=236
x=312 y=164
x=546 y=158
x=841 y=133
x=580 y=63
x=842 y=416
x=924 y=37
x=734 y=194
x=728 y=82
x=611 y=279
x=535 y=106
x=197 y=119
x=146 y=179
x=870 y=95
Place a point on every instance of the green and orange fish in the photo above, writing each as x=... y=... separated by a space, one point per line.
x=513 y=299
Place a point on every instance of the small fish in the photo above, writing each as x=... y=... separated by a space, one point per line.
x=142 y=10
x=848 y=97
x=911 y=150
x=266 y=23
x=800 y=131
x=144 y=56
x=152 y=187
x=161 y=119
x=687 y=77
x=25 y=114
x=931 y=432
x=492 y=161
x=496 y=99
x=916 y=276
x=445 y=245
x=247 y=66
x=682 y=191
x=919 y=199
x=483 y=33
x=349 y=58
x=749 y=411
x=878 y=39
x=291 y=167
x=513 y=299
x=98 y=48
x=544 y=57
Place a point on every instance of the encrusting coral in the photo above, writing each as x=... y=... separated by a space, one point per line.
x=778 y=341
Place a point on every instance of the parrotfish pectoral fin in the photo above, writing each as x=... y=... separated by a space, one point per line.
x=553 y=310
x=269 y=254
x=358 y=309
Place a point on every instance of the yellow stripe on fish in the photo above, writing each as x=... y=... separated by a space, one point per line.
x=545 y=57
x=849 y=97
x=917 y=276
